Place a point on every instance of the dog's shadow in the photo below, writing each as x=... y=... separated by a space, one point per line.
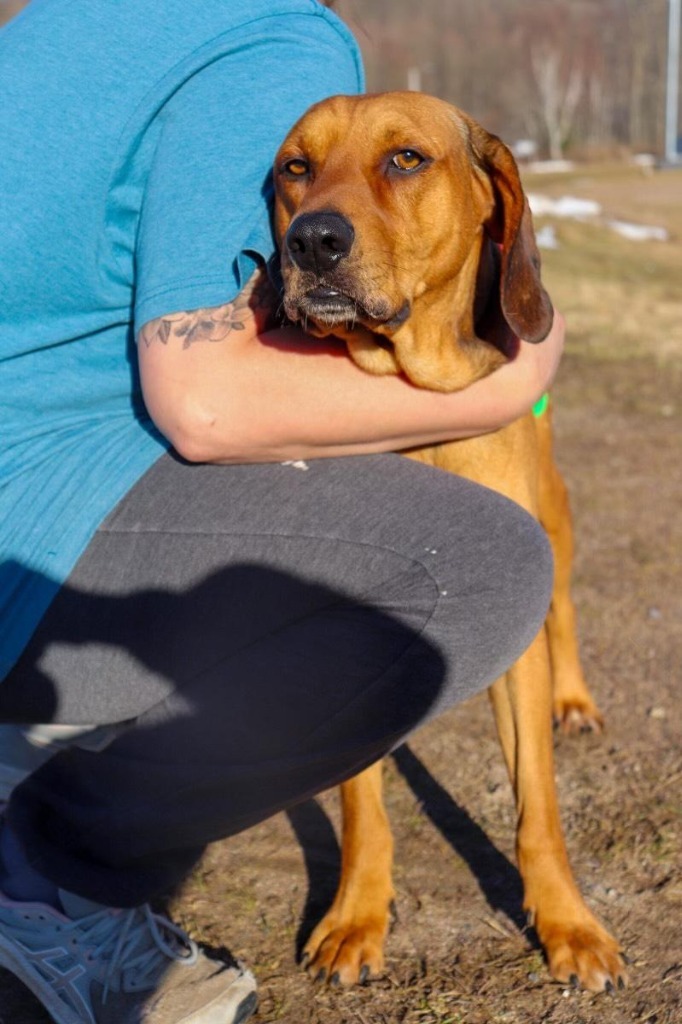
x=497 y=877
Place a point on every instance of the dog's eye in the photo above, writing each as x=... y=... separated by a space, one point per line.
x=296 y=168
x=407 y=160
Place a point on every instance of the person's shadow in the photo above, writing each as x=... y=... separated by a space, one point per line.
x=258 y=689
x=223 y=613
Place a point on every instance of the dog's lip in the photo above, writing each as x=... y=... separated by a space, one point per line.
x=399 y=318
x=331 y=305
x=325 y=293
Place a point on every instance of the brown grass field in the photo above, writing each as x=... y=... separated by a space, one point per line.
x=459 y=952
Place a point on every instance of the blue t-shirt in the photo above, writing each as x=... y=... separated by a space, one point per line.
x=136 y=141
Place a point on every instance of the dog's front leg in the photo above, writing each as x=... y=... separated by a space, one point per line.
x=577 y=946
x=347 y=945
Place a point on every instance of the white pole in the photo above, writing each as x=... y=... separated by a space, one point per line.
x=673 y=80
x=414 y=79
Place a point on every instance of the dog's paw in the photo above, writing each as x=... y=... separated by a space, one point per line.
x=577 y=715
x=346 y=952
x=584 y=956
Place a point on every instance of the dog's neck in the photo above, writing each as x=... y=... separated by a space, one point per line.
x=456 y=332
x=443 y=346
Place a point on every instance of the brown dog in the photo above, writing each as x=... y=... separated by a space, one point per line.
x=404 y=230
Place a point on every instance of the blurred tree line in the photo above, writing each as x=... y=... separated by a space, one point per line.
x=573 y=75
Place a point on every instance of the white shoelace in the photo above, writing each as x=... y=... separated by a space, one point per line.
x=133 y=940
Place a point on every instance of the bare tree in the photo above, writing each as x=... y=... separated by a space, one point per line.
x=558 y=94
x=573 y=73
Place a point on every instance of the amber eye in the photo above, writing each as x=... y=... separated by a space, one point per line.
x=296 y=167
x=407 y=160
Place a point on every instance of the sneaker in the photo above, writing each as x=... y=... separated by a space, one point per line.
x=18 y=757
x=98 y=965
x=24 y=748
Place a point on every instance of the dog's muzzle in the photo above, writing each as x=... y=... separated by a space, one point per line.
x=326 y=288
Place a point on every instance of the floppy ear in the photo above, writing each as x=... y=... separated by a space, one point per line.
x=522 y=303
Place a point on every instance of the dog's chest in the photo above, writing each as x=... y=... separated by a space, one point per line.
x=506 y=461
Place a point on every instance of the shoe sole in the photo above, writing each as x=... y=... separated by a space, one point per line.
x=9 y=780
x=246 y=1008
x=241 y=1004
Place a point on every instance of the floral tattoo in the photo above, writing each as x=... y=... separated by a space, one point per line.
x=254 y=303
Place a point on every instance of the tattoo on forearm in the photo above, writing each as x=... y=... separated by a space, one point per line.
x=254 y=303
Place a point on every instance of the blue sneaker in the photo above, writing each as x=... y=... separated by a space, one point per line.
x=24 y=748
x=18 y=757
x=98 y=965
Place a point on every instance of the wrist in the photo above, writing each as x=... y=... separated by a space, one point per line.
x=542 y=360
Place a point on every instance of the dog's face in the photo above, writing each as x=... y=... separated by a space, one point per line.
x=383 y=206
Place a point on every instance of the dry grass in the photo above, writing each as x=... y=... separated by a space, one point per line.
x=622 y=299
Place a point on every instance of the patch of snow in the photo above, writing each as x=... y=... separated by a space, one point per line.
x=565 y=206
x=574 y=208
x=645 y=160
x=546 y=237
x=550 y=166
x=638 y=232
x=524 y=149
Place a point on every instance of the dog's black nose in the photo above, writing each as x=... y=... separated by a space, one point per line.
x=319 y=241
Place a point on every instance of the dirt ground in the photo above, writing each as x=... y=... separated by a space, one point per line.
x=459 y=953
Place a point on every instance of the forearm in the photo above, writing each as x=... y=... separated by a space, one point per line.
x=282 y=395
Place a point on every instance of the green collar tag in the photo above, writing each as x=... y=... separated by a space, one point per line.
x=540 y=407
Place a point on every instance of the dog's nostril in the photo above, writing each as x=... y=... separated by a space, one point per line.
x=334 y=244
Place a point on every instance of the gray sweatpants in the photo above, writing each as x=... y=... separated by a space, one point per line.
x=265 y=632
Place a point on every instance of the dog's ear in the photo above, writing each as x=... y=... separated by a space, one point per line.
x=522 y=302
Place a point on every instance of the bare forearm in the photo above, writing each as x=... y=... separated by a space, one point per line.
x=282 y=395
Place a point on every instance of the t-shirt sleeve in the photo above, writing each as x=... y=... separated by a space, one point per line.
x=205 y=221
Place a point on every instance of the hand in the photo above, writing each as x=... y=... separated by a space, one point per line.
x=543 y=359
x=512 y=390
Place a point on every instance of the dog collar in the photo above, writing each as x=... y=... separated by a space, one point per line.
x=540 y=407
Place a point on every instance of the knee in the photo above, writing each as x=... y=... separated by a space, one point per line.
x=520 y=567
x=526 y=573
x=523 y=584
x=495 y=593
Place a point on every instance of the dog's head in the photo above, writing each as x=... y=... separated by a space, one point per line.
x=403 y=228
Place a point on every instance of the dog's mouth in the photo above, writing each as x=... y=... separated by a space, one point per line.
x=330 y=307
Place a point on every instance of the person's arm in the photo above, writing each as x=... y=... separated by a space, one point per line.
x=225 y=387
